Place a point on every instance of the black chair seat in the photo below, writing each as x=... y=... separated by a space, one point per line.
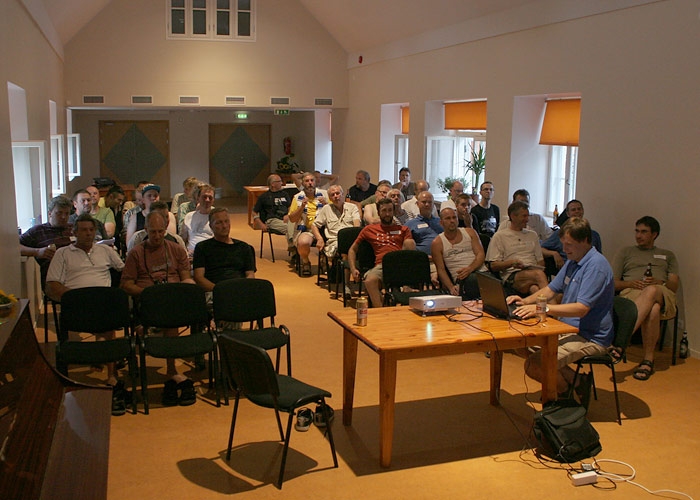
x=179 y=347
x=98 y=352
x=293 y=394
x=267 y=338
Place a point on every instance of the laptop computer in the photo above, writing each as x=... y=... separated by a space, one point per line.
x=493 y=297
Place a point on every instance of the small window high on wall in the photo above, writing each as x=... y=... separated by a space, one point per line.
x=560 y=131
x=211 y=19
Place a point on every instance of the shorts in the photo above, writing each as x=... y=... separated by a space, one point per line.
x=572 y=347
x=668 y=311
x=375 y=271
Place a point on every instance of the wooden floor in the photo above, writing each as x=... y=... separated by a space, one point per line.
x=449 y=442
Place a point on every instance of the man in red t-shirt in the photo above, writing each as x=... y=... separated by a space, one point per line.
x=384 y=237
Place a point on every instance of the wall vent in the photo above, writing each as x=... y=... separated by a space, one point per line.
x=235 y=100
x=141 y=99
x=93 y=99
x=323 y=101
x=189 y=99
x=279 y=101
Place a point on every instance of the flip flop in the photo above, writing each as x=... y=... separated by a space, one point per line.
x=641 y=373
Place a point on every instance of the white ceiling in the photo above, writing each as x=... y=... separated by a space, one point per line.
x=357 y=25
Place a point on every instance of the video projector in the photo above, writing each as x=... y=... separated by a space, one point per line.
x=434 y=303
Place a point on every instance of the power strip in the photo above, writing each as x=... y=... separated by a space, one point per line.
x=583 y=478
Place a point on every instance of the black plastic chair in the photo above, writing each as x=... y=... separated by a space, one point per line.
x=176 y=305
x=406 y=268
x=366 y=260
x=250 y=368
x=346 y=237
x=664 y=324
x=245 y=300
x=624 y=318
x=269 y=233
x=96 y=310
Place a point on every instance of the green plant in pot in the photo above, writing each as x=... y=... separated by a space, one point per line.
x=476 y=164
x=446 y=184
x=288 y=165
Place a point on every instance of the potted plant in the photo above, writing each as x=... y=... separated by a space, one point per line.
x=286 y=166
x=446 y=184
x=476 y=165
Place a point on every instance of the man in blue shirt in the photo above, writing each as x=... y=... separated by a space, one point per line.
x=425 y=227
x=587 y=284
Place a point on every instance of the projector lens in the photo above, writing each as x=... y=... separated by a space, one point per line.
x=430 y=303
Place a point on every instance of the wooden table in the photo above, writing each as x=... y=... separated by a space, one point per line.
x=397 y=333
x=254 y=193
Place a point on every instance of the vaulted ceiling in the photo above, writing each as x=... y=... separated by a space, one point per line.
x=357 y=25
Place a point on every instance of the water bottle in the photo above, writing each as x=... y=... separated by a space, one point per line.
x=541 y=309
x=683 y=350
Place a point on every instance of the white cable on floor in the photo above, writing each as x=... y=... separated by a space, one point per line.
x=618 y=478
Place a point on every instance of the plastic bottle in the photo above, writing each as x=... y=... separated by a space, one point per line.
x=541 y=309
x=683 y=349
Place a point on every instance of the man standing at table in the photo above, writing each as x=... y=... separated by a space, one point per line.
x=587 y=284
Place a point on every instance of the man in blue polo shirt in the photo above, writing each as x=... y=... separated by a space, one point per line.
x=425 y=227
x=588 y=287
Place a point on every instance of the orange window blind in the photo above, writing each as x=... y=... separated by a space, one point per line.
x=465 y=115
x=562 y=121
x=405 y=119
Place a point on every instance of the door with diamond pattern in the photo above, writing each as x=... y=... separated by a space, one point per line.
x=131 y=151
x=239 y=155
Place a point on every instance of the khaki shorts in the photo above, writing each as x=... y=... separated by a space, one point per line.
x=668 y=311
x=376 y=271
x=572 y=347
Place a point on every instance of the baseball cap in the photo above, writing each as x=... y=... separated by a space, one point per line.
x=148 y=187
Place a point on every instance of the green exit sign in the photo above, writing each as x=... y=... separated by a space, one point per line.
x=242 y=116
x=282 y=112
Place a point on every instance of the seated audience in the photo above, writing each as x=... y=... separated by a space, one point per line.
x=411 y=206
x=82 y=202
x=85 y=264
x=271 y=210
x=455 y=191
x=552 y=246
x=465 y=218
x=655 y=295
x=457 y=252
x=153 y=262
x=102 y=214
x=425 y=226
x=362 y=188
x=400 y=215
x=384 y=237
x=188 y=186
x=486 y=214
x=536 y=222
x=150 y=193
x=195 y=226
x=141 y=235
x=305 y=206
x=515 y=253
x=407 y=188
x=369 y=211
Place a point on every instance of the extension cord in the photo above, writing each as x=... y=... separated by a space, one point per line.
x=583 y=478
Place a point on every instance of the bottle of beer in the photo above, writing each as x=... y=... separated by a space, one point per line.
x=683 y=350
x=647 y=273
x=555 y=214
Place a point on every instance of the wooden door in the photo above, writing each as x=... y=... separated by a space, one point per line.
x=239 y=155
x=131 y=151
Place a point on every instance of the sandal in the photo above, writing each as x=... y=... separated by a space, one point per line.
x=642 y=373
x=615 y=353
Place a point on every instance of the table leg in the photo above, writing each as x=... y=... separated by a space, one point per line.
x=496 y=367
x=549 y=367
x=251 y=199
x=387 y=399
x=349 y=369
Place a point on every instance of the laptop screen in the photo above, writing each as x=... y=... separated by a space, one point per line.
x=493 y=296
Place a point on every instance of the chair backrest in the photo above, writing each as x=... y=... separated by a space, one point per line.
x=244 y=299
x=406 y=268
x=249 y=366
x=173 y=305
x=346 y=237
x=365 y=256
x=624 y=319
x=94 y=309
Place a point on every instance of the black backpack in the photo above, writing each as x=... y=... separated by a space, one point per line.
x=564 y=433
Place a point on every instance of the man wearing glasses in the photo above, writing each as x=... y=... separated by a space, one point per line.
x=272 y=207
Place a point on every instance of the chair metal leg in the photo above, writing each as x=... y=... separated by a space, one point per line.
x=279 y=423
x=144 y=381
x=595 y=391
x=46 y=319
x=326 y=416
x=233 y=426
x=272 y=249
x=262 y=244
x=617 y=397
x=286 y=448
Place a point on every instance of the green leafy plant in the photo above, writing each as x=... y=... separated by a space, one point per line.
x=288 y=165
x=446 y=184
x=476 y=164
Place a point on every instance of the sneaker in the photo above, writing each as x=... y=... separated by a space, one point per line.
x=169 y=396
x=318 y=416
x=306 y=269
x=348 y=292
x=304 y=419
x=188 y=396
x=118 y=399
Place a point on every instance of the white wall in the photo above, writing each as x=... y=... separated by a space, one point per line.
x=637 y=71
x=26 y=60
